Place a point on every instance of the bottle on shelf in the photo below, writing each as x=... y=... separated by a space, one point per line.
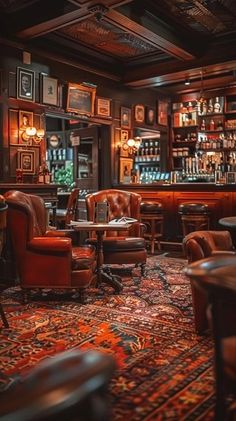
x=210 y=106
x=40 y=174
x=212 y=125
x=203 y=125
x=217 y=106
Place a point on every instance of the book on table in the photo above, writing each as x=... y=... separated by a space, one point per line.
x=123 y=220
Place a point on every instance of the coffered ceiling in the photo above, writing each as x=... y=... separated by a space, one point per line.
x=152 y=43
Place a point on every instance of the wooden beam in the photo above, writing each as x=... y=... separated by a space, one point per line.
x=167 y=43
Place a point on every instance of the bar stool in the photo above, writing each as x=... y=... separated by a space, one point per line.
x=194 y=217
x=152 y=216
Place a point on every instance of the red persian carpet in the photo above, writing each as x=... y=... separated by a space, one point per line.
x=164 y=370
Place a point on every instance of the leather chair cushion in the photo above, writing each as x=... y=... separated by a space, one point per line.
x=120 y=244
x=193 y=208
x=83 y=257
x=151 y=207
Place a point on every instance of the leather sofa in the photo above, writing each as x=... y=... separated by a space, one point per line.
x=45 y=258
x=198 y=245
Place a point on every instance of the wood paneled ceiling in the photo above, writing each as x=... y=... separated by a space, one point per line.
x=152 y=43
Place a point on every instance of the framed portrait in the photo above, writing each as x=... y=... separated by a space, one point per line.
x=139 y=113
x=26 y=160
x=81 y=99
x=150 y=116
x=49 y=90
x=103 y=107
x=125 y=118
x=162 y=112
x=124 y=135
x=126 y=166
x=25 y=84
x=25 y=119
x=231 y=177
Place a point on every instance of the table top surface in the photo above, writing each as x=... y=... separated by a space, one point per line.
x=228 y=221
x=88 y=226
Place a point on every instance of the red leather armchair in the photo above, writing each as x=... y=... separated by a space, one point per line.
x=45 y=258
x=126 y=246
x=198 y=245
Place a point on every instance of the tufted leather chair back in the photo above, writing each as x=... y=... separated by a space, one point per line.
x=45 y=258
x=26 y=218
x=121 y=203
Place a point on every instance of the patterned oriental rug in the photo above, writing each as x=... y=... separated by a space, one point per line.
x=164 y=370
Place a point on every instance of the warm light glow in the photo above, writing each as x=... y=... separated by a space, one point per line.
x=131 y=143
x=30 y=131
x=40 y=133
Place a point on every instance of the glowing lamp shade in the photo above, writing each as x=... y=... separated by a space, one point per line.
x=40 y=133
x=131 y=143
x=30 y=131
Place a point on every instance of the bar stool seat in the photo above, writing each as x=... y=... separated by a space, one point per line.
x=194 y=217
x=152 y=216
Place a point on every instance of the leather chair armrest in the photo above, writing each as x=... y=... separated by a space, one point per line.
x=44 y=244
x=137 y=230
x=223 y=253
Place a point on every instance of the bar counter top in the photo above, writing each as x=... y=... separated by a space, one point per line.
x=220 y=199
x=177 y=187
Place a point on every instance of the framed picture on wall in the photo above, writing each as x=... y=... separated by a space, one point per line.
x=25 y=84
x=49 y=90
x=80 y=99
x=162 y=112
x=139 y=113
x=126 y=165
x=26 y=161
x=125 y=118
x=103 y=107
x=150 y=116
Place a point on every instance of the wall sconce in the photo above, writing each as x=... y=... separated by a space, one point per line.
x=31 y=133
x=132 y=144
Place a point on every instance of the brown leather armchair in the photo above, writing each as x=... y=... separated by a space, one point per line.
x=45 y=258
x=199 y=245
x=126 y=246
x=72 y=385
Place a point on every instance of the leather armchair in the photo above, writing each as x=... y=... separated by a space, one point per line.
x=45 y=258
x=215 y=276
x=199 y=245
x=123 y=247
x=72 y=385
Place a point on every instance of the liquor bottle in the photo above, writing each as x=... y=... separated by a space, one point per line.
x=47 y=175
x=212 y=125
x=40 y=174
x=217 y=106
x=203 y=125
x=210 y=106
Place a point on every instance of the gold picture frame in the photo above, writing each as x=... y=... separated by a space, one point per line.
x=139 y=113
x=81 y=99
x=103 y=107
x=126 y=165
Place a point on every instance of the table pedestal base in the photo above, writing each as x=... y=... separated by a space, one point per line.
x=112 y=280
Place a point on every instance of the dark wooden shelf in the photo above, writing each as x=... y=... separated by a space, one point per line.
x=184 y=142
x=185 y=127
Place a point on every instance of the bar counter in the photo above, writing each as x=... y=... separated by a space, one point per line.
x=220 y=198
x=47 y=191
